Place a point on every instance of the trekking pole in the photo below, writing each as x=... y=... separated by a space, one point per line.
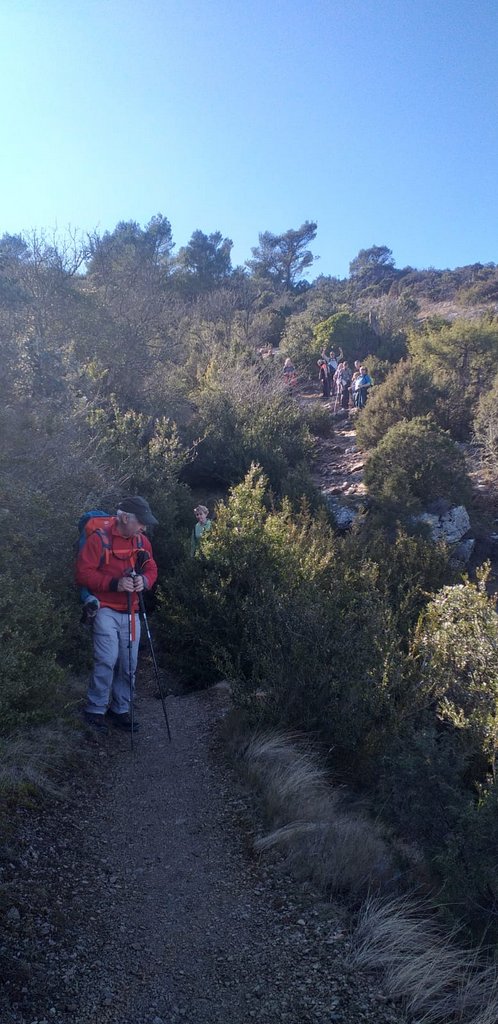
x=154 y=662
x=141 y=561
x=130 y=662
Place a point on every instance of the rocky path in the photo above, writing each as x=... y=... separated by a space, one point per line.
x=140 y=901
x=338 y=466
x=338 y=470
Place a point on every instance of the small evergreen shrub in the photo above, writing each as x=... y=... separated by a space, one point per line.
x=30 y=634
x=462 y=358
x=415 y=464
x=456 y=645
x=243 y=416
x=318 y=420
x=307 y=639
x=407 y=392
x=410 y=568
x=467 y=863
x=436 y=778
x=486 y=425
x=378 y=369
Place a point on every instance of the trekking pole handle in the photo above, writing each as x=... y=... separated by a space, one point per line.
x=132 y=575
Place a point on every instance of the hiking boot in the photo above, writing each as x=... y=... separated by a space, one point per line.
x=97 y=722
x=122 y=721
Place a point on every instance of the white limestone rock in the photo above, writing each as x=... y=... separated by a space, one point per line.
x=450 y=527
x=344 y=515
x=454 y=524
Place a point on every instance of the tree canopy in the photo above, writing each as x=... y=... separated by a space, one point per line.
x=283 y=258
x=205 y=260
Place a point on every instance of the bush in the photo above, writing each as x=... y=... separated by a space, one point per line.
x=437 y=777
x=415 y=464
x=318 y=420
x=456 y=645
x=410 y=569
x=486 y=425
x=407 y=392
x=467 y=863
x=148 y=454
x=30 y=633
x=462 y=357
x=346 y=331
x=306 y=639
x=298 y=342
x=378 y=369
x=244 y=416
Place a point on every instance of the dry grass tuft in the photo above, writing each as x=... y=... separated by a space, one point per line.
x=342 y=854
x=337 y=849
x=437 y=980
x=293 y=784
x=36 y=762
x=341 y=850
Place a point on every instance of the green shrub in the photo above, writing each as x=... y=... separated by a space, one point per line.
x=307 y=639
x=318 y=420
x=415 y=464
x=243 y=416
x=456 y=645
x=410 y=568
x=436 y=779
x=407 y=392
x=298 y=342
x=30 y=634
x=304 y=338
x=149 y=451
x=486 y=425
x=346 y=331
x=461 y=357
x=378 y=368
x=467 y=864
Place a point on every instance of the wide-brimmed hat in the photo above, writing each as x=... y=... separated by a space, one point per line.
x=139 y=507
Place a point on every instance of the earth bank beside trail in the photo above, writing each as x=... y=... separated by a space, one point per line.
x=139 y=900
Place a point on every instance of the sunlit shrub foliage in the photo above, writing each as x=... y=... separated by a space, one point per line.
x=245 y=414
x=306 y=638
x=415 y=464
x=407 y=392
x=437 y=776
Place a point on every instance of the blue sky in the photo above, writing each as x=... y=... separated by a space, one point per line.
x=376 y=118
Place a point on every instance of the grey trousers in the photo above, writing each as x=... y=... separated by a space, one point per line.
x=110 y=686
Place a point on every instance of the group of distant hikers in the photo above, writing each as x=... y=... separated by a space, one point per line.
x=336 y=379
x=115 y=566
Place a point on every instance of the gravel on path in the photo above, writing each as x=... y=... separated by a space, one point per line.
x=140 y=901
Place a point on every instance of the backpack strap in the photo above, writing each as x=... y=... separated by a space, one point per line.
x=106 y=539
x=106 y=542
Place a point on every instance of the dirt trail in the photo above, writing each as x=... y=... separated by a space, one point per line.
x=338 y=469
x=142 y=903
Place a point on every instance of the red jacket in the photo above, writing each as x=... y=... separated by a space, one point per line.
x=102 y=579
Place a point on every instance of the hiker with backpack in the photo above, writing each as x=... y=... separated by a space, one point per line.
x=115 y=565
